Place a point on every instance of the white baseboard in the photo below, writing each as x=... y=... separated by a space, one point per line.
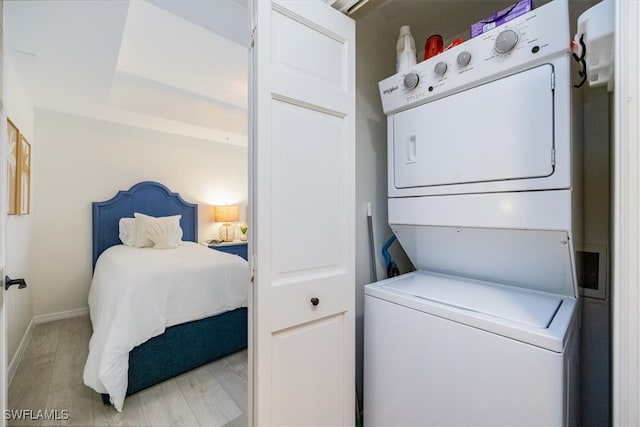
x=44 y=318
x=17 y=357
x=26 y=338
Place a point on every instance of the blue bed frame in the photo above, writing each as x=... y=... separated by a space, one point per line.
x=182 y=347
x=148 y=197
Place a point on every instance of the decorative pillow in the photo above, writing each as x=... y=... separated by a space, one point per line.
x=159 y=233
x=127 y=233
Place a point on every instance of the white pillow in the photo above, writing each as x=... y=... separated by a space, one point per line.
x=127 y=233
x=159 y=233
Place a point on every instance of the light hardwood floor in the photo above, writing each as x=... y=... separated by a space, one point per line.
x=50 y=377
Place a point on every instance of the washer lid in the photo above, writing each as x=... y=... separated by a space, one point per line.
x=531 y=259
x=533 y=309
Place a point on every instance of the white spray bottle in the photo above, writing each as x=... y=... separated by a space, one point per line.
x=406 y=49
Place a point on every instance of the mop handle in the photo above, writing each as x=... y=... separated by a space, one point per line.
x=372 y=251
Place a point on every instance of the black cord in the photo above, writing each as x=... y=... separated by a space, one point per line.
x=584 y=50
x=501 y=16
x=581 y=60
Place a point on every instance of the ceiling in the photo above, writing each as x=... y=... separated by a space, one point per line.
x=177 y=66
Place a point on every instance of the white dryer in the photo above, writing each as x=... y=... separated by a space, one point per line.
x=484 y=196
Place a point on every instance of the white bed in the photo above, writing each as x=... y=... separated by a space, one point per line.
x=136 y=293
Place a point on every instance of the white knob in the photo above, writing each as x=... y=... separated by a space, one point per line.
x=411 y=80
x=506 y=40
x=440 y=68
x=463 y=58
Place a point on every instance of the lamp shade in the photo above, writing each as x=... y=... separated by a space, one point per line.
x=227 y=213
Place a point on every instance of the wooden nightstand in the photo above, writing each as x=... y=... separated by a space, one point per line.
x=236 y=248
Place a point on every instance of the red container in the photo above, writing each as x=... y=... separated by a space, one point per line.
x=433 y=46
x=454 y=43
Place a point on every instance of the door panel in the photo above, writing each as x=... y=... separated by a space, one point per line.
x=479 y=135
x=295 y=382
x=326 y=69
x=311 y=61
x=308 y=177
x=303 y=212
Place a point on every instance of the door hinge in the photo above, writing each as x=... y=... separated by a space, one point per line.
x=252 y=37
x=254 y=262
x=553 y=157
x=553 y=81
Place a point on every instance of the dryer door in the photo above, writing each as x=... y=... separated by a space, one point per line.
x=502 y=130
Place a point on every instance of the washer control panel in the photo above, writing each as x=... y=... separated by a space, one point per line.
x=522 y=43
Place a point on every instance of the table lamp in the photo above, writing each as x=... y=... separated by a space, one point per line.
x=226 y=214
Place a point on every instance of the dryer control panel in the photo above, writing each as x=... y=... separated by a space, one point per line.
x=521 y=43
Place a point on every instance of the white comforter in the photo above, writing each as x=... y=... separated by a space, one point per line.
x=137 y=293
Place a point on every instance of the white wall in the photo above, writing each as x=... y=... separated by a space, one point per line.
x=375 y=56
x=595 y=361
x=596 y=325
x=81 y=160
x=18 y=302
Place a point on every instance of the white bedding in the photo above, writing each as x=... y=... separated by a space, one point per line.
x=138 y=292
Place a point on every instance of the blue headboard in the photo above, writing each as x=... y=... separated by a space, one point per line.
x=148 y=197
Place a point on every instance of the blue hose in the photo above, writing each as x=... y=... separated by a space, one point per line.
x=392 y=267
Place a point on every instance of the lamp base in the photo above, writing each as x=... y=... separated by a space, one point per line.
x=227 y=232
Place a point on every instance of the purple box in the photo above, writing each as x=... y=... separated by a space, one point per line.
x=498 y=18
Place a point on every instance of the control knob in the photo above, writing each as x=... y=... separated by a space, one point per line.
x=440 y=68
x=463 y=59
x=506 y=40
x=411 y=80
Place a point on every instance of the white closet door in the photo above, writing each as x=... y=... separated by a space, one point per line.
x=303 y=212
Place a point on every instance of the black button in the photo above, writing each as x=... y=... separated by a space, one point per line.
x=430 y=88
x=535 y=49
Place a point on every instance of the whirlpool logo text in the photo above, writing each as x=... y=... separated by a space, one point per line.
x=390 y=90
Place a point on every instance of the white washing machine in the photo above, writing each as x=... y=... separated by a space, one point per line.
x=444 y=349
x=484 y=196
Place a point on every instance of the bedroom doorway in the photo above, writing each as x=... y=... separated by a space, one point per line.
x=101 y=87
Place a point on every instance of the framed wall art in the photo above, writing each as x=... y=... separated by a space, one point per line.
x=12 y=168
x=23 y=193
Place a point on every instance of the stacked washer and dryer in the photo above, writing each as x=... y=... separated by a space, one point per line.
x=484 y=196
